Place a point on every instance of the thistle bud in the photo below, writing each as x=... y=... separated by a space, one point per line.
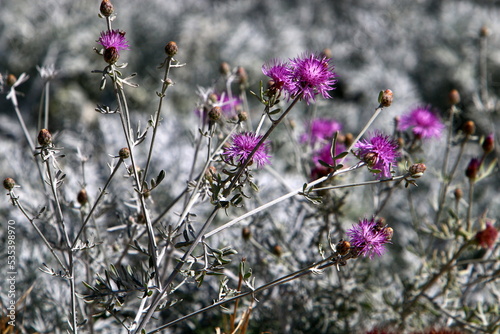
x=473 y=169
x=343 y=247
x=469 y=128
x=327 y=53
x=246 y=234
x=348 y=139
x=385 y=98
x=9 y=183
x=124 y=153
x=277 y=250
x=82 y=197
x=106 y=8
x=111 y=55
x=11 y=80
x=215 y=114
x=242 y=116
x=44 y=137
x=484 y=31
x=171 y=49
x=224 y=68
x=458 y=193
x=488 y=144
x=242 y=75
x=417 y=170
x=389 y=232
x=454 y=97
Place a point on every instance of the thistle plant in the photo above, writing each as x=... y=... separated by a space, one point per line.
x=280 y=220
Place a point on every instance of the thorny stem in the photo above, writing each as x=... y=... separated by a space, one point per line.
x=314 y=268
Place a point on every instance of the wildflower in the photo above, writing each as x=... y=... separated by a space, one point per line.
x=280 y=73
x=369 y=238
x=321 y=129
x=487 y=237
x=488 y=144
x=312 y=75
x=243 y=144
x=423 y=122
x=379 y=152
x=113 y=39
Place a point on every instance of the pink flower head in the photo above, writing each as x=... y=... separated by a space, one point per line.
x=487 y=237
x=423 y=122
x=113 y=39
x=243 y=144
x=280 y=73
x=321 y=129
x=369 y=237
x=379 y=152
x=312 y=75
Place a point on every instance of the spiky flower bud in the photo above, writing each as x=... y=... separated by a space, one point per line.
x=111 y=55
x=473 y=169
x=488 y=144
x=44 y=137
x=385 y=98
x=224 y=68
x=417 y=170
x=11 y=80
x=171 y=49
x=106 y=8
x=9 y=183
x=82 y=197
x=469 y=128
x=124 y=153
x=454 y=97
x=215 y=114
x=246 y=234
x=242 y=116
x=343 y=247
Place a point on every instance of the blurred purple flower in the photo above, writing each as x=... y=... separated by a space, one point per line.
x=243 y=144
x=113 y=38
x=319 y=130
x=379 y=152
x=324 y=153
x=369 y=238
x=280 y=73
x=423 y=122
x=312 y=75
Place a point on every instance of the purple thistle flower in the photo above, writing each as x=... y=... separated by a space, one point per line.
x=369 y=238
x=312 y=75
x=423 y=122
x=321 y=129
x=379 y=152
x=243 y=144
x=280 y=73
x=113 y=39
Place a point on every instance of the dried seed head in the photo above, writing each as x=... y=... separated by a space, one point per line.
x=242 y=116
x=171 y=49
x=111 y=55
x=417 y=170
x=385 y=98
x=106 y=8
x=82 y=197
x=343 y=247
x=11 y=80
x=124 y=153
x=469 y=128
x=9 y=183
x=454 y=97
x=44 y=137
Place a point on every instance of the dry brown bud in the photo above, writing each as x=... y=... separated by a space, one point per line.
x=454 y=97
x=343 y=247
x=11 y=80
x=106 y=8
x=111 y=55
x=469 y=128
x=82 y=197
x=44 y=137
x=171 y=49
x=385 y=98
x=9 y=183
x=417 y=170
